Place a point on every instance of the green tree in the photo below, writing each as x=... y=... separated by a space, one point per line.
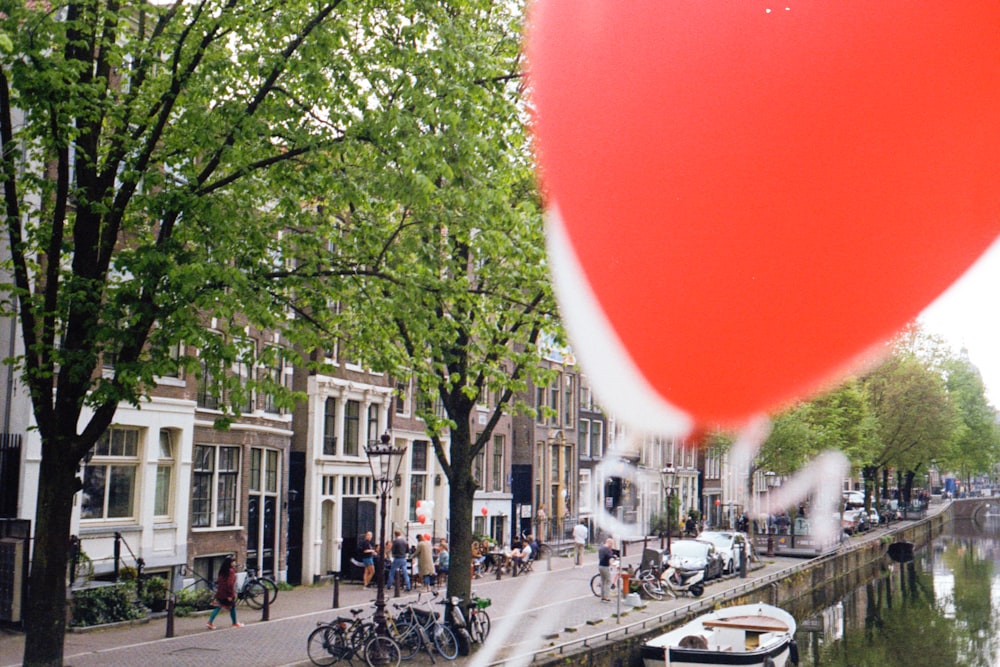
x=975 y=446
x=446 y=220
x=914 y=417
x=166 y=163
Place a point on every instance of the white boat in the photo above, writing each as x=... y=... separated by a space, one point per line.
x=754 y=635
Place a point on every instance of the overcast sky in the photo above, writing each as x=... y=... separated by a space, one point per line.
x=968 y=315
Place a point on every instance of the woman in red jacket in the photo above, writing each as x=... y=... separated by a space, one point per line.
x=225 y=593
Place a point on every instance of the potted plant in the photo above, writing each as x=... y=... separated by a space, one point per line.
x=154 y=593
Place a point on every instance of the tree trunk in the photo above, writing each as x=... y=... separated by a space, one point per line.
x=461 y=492
x=45 y=620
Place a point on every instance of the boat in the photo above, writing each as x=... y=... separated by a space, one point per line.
x=755 y=635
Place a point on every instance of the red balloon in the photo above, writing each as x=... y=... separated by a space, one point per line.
x=744 y=200
x=427 y=537
x=484 y=511
x=422 y=518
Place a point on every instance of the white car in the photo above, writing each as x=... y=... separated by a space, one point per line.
x=728 y=543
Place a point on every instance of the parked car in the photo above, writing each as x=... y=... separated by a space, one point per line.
x=728 y=543
x=854 y=499
x=695 y=555
x=854 y=521
x=873 y=518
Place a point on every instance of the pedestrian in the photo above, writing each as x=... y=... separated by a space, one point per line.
x=425 y=560
x=580 y=535
x=689 y=527
x=443 y=562
x=542 y=519
x=367 y=549
x=604 y=556
x=399 y=550
x=225 y=593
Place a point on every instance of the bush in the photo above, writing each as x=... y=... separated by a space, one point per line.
x=105 y=604
x=189 y=600
x=154 y=592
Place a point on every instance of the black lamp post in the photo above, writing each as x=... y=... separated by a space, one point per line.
x=384 y=460
x=667 y=474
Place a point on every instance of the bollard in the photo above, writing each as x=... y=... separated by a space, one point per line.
x=336 y=591
x=548 y=560
x=624 y=548
x=170 y=616
x=743 y=561
x=499 y=567
x=266 y=613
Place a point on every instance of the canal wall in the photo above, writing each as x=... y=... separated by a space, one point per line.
x=801 y=588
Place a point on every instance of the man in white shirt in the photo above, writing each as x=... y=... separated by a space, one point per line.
x=580 y=535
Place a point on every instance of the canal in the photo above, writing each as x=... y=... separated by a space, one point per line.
x=939 y=610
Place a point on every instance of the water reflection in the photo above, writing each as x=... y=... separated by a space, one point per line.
x=937 y=610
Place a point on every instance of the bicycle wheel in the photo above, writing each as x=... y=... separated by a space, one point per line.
x=253 y=594
x=652 y=588
x=445 y=642
x=381 y=652
x=407 y=636
x=327 y=645
x=271 y=587
x=595 y=585
x=479 y=626
x=361 y=634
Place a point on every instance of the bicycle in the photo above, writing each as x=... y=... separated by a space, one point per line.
x=479 y=620
x=616 y=575
x=266 y=581
x=343 y=639
x=415 y=628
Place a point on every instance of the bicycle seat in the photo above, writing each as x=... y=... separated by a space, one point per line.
x=357 y=611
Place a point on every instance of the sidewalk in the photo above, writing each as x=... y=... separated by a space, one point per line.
x=555 y=589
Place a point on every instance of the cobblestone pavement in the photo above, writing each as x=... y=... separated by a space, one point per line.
x=551 y=605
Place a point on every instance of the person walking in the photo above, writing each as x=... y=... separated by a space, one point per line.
x=399 y=550
x=604 y=555
x=425 y=561
x=225 y=593
x=367 y=549
x=580 y=535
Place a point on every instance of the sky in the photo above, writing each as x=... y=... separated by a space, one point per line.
x=968 y=315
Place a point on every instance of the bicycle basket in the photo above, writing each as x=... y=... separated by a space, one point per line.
x=482 y=603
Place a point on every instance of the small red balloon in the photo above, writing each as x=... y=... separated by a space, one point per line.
x=484 y=511
x=422 y=518
x=427 y=537
x=746 y=198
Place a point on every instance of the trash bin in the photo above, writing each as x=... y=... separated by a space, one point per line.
x=626 y=577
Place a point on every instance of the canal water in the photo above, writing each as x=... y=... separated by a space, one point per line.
x=940 y=610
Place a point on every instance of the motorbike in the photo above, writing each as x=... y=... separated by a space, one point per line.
x=678 y=581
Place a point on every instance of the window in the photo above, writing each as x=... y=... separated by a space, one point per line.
x=352 y=427
x=586 y=402
x=164 y=475
x=584 y=437
x=498 y=469
x=418 y=455
x=110 y=475
x=207 y=398
x=330 y=427
x=539 y=404
x=478 y=466
x=372 y=423
x=215 y=486
x=569 y=414
x=596 y=438
x=418 y=489
x=585 y=491
x=274 y=374
x=554 y=402
x=400 y=398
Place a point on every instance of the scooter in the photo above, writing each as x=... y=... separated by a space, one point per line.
x=676 y=580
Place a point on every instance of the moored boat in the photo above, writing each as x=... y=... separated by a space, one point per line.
x=754 y=635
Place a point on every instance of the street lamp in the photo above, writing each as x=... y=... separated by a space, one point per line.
x=384 y=460
x=667 y=474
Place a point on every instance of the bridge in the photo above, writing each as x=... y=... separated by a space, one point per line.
x=975 y=509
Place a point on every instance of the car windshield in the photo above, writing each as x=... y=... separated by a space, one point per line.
x=719 y=539
x=689 y=549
